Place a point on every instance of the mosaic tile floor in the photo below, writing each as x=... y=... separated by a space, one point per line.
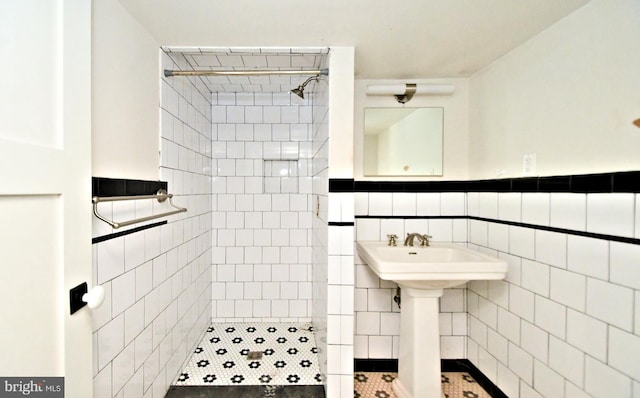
x=289 y=356
x=378 y=385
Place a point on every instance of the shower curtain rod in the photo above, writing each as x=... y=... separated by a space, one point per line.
x=168 y=73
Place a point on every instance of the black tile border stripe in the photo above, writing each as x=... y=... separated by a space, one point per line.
x=615 y=238
x=106 y=187
x=594 y=235
x=415 y=217
x=616 y=182
x=341 y=223
x=446 y=365
x=119 y=234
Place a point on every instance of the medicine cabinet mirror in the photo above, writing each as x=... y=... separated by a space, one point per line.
x=403 y=141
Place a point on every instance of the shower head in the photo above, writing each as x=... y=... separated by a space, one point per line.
x=300 y=90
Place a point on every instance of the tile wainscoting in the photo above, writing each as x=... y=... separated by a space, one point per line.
x=564 y=323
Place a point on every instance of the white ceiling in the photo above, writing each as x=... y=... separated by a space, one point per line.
x=392 y=40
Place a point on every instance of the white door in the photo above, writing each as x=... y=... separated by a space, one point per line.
x=45 y=190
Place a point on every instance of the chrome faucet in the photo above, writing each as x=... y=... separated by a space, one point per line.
x=423 y=239
x=392 y=239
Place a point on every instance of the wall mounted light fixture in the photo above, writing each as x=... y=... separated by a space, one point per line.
x=403 y=92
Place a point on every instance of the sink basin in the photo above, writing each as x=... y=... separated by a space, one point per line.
x=433 y=267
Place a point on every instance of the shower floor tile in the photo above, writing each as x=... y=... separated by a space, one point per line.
x=289 y=356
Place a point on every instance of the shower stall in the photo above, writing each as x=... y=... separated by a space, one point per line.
x=258 y=157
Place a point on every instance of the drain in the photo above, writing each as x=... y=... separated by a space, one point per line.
x=254 y=355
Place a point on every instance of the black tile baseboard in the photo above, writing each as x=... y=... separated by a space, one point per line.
x=375 y=365
x=464 y=365
x=616 y=182
x=446 y=365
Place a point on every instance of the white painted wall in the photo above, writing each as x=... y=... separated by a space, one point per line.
x=455 y=106
x=569 y=95
x=158 y=281
x=341 y=67
x=125 y=95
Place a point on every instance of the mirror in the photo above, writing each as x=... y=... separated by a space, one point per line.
x=403 y=141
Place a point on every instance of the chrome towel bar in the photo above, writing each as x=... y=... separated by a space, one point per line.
x=160 y=196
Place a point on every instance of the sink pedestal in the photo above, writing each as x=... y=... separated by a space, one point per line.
x=419 y=355
x=422 y=273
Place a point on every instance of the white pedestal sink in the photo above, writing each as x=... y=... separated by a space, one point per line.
x=422 y=273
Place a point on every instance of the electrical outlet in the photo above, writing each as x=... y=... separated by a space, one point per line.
x=529 y=164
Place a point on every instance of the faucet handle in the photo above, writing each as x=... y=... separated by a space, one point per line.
x=392 y=239
x=425 y=240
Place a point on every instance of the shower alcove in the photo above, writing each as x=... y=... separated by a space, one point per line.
x=261 y=155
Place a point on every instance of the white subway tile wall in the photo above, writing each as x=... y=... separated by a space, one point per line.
x=262 y=207
x=564 y=323
x=317 y=219
x=269 y=172
x=377 y=320
x=572 y=300
x=158 y=281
